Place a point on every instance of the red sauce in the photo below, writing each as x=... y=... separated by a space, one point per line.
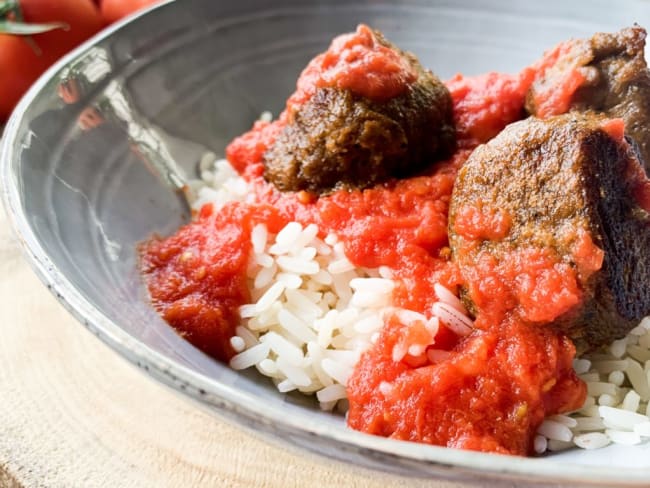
x=485 y=104
x=197 y=277
x=491 y=389
x=615 y=128
x=563 y=68
x=357 y=62
x=482 y=222
x=587 y=255
x=402 y=226
x=245 y=153
x=490 y=395
x=532 y=282
x=494 y=387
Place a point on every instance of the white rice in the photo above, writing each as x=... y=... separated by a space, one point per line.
x=617 y=407
x=313 y=313
x=315 y=324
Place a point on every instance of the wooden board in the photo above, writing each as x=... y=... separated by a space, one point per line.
x=73 y=413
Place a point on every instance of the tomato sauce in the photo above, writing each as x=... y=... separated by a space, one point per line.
x=197 y=277
x=485 y=104
x=357 y=62
x=487 y=391
x=532 y=282
x=491 y=394
x=482 y=222
x=402 y=225
x=246 y=151
x=562 y=64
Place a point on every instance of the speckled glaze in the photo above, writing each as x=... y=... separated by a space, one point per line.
x=85 y=181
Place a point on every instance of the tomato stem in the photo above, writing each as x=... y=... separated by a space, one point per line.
x=12 y=21
x=22 y=29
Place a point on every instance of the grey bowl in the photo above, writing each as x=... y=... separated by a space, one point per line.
x=85 y=181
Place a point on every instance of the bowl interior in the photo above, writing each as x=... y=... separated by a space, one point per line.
x=87 y=177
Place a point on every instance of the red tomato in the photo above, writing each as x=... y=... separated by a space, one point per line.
x=113 y=10
x=21 y=62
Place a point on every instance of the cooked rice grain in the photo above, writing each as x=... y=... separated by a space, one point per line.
x=308 y=325
x=618 y=388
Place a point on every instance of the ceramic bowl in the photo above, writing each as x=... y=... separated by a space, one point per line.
x=93 y=156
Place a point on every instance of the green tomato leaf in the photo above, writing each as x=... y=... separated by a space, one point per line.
x=22 y=29
x=7 y=7
x=10 y=10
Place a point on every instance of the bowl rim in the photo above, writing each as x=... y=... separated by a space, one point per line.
x=219 y=396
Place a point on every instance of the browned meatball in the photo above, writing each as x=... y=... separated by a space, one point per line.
x=616 y=81
x=339 y=139
x=559 y=180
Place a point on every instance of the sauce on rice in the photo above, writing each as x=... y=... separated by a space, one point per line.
x=490 y=394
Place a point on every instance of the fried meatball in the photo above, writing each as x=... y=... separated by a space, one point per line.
x=339 y=138
x=561 y=184
x=612 y=77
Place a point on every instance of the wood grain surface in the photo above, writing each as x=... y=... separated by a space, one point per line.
x=73 y=413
